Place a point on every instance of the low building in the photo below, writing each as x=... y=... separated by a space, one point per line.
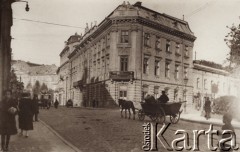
x=212 y=80
x=134 y=51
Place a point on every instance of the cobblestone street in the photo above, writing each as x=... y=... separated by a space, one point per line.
x=103 y=130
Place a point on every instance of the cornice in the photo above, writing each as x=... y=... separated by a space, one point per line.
x=64 y=50
x=166 y=29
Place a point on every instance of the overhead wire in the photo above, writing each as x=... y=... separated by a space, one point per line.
x=49 y=23
x=199 y=9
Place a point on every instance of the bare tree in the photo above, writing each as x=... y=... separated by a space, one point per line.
x=232 y=40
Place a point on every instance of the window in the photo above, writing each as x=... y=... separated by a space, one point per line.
x=99 y=46
x=103 y=63
x=157 y=67
x=108 y=39
x=205 y=84
x=145 y=64
x=168 y=46
x=167 y=70
x=103 y=43
x=186 y=51
x=123 y=92
x=198 y=82
x=178 y=49
x=107 y=62
x=124 y=63
x=124 y=37
x=158 y=43
x=185 y=72
x=147 y=39
x=176 y=72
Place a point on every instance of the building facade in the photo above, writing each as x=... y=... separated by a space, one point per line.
x=213 y=81
x=63 y=87
x=133 y=52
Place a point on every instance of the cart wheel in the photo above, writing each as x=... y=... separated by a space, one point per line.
x=175 y=118
x=153 y=117
x=141 y=115
x=161 y=116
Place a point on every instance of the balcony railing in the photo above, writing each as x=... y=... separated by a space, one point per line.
x=121 y=75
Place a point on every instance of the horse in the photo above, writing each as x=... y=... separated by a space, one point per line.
x=126 y=105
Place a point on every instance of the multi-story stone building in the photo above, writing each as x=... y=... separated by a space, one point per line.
x=134 y=51
x=64 y=85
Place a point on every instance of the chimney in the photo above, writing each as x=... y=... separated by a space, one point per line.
x=138 y=4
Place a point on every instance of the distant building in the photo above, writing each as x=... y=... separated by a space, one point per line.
x=211 y=80
x=134 y=51
x=63 y=87
x=29 y=73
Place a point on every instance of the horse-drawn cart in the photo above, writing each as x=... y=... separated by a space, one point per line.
x=159 y=111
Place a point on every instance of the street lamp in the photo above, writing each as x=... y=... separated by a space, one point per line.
x=185 y=80
x=27 y=6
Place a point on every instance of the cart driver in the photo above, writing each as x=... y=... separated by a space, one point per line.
x=163 y=98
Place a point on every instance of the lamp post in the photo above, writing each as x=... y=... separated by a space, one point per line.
x=185 y=80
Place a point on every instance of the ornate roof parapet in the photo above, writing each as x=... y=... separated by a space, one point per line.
x=125 y=11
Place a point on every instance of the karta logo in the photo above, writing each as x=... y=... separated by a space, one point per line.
x=152 y=136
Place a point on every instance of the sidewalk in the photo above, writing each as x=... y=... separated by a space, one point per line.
x=41 y=139
x=195 y=116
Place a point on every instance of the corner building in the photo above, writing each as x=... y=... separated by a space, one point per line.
x=133 y=52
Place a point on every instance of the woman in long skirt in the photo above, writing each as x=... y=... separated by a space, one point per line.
x=26 y=111
x=8 y=110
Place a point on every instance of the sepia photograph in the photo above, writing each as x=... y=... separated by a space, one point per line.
x=119 y=76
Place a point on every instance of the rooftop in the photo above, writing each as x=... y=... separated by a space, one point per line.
x=32 y=68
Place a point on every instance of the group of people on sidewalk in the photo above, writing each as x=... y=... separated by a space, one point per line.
x=26 y=108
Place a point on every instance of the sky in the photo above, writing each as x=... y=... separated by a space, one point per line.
x=42 y=43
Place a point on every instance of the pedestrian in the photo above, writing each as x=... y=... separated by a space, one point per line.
x=227 y=120
x=163 y=98
x=8 y=111
x=56 y=103
x=48 y=103
x=207 y=108
x=26 y=111
x=36 y=107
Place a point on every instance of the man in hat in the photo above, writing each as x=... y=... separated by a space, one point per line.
x=163 y=98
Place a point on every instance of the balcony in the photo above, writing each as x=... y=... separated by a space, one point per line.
x=78 y=84
x=121 y=75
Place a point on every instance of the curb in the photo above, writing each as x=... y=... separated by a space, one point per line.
x=207 y=123
x=60 y=137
